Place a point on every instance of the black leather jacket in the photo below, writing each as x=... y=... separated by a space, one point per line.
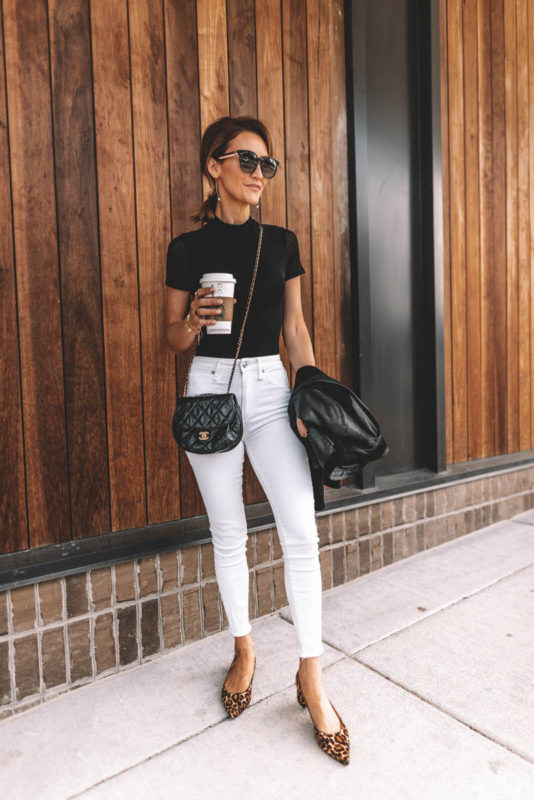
x=343 y=435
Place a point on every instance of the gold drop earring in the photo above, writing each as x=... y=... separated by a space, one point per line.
x=217 y=189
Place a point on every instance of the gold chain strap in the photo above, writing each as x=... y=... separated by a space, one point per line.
x=242 y=327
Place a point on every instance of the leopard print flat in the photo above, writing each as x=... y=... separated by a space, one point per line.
x=236 y=702
x=336 y=745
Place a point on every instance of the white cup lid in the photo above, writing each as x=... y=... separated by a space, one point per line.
x=227 y=277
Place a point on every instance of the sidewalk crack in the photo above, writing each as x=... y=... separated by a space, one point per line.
x=523 y=756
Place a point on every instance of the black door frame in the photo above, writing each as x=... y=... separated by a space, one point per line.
x=427 y=147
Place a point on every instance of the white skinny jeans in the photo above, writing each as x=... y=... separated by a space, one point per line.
x=279 y=460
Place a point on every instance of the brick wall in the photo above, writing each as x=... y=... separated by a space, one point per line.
x=59 y=634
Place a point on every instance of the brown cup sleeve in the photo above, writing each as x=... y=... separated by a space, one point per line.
x=227 y=309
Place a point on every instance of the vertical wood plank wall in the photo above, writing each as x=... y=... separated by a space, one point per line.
x=488 y=177
x=102 y=106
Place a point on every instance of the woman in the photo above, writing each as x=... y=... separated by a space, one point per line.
x=235 y=157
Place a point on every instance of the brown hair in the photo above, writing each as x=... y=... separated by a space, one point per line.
x=214 y=142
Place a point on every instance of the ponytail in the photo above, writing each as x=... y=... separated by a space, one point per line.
x=205 y=210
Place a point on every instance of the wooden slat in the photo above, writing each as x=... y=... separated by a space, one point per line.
x=185 y=181
x=242 y=88
x=472 y=222
x=487 y=266
x=116 y=196
x=242 y=59
x=325 y=342
x=38 y=294
x=340 y=194
x=446 y=230
x=12 y=476
x=83 y=348
x=153 y=235
x=340 y=197
x=212 y=64
x=297 y=151
x=183 y=112
x=524 y=286
x=512 y=304
x=498 y=298
x=270 y=103
x=457 y=221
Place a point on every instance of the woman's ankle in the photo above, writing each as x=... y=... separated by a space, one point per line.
x=313 y=663
x=310 y=670
x=244 y=644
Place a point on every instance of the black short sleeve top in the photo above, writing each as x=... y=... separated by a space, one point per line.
x=223 y=247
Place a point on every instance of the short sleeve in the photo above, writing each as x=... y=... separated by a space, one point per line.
x=179 y=273
x=293 y=264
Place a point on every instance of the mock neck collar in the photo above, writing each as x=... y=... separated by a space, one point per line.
x=219 y=223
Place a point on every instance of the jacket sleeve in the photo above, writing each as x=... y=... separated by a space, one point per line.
x=316 y=472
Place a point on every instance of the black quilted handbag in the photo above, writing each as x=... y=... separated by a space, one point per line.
x=212 y=423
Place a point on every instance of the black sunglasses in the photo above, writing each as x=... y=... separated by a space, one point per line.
x=248 y=161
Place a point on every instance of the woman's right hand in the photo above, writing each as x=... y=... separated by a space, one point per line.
x=204 y=308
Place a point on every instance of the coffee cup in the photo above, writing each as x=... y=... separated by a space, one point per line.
x=224 y=286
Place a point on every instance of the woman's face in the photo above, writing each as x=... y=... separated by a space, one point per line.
x=240 y=186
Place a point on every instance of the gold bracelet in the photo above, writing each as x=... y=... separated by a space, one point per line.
x=191 y=330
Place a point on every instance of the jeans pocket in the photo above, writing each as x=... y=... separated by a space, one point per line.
x=219 y=384
x=277 y=376
x=200 y=382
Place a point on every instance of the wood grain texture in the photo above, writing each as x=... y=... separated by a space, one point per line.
x=12 y=474
x=472 y=223
x=38 y=289
x=498 y=300
x=325 y=286
x=270 y=87
x=523 y=223
x=120 y=293
x=212 y=60
x=181 y=59
x=242 y=84
x=297 y=150
x=458 y=230
x=149 y=106
x=212 y=64
x=512 y=230
x=107 y=106
x=270 y=103
x=81 y=307
x=446 y=169
x=242 y=57
x=243 y=94
x=491 y=214
x=185 y=181
x=213 y=90
x=487 y=264
x=340 y=194
x=181 y=53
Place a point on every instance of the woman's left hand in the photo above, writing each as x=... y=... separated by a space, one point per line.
x=302 y=428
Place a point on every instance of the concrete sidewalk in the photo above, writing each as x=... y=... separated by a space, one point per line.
x=430 y=662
